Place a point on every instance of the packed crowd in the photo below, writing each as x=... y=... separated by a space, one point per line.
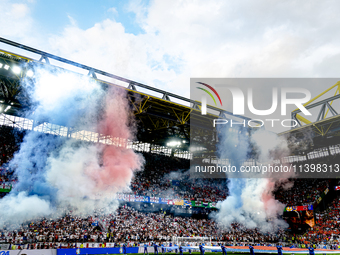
x=9 y=143
x=169 y=177
x=327 y=224
x=6 y=175
x=7 y=179
x=130 y=225
x=304 y=192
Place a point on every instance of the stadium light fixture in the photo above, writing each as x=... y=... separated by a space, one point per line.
x=1 y=65
x=6 y=67
x=7 y=108
x=173 y=144
x=16 y=69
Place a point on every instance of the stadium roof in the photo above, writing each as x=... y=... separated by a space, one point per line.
x=324 y=128
x=161 y=115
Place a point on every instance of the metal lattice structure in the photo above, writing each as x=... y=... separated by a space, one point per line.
x=326 y=121
x=319 y=134
x=161 y=115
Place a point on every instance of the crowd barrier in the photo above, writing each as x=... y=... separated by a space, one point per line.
x=140 y=250
x=29 y=252
x=85 y=251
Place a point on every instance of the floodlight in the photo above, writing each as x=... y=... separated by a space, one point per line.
x=6 y=67
x=1 y=65
x=16 y=69
x=173 y=144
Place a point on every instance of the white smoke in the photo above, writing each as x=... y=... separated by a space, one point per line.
x=249 y=207
x=251 y=201
x=21 y=208
x=57 y=174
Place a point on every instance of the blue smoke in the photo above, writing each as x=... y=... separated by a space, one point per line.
x=73 y=107
x=30 y=164
x=234 y=145
x=62 y=98
x=245 y=203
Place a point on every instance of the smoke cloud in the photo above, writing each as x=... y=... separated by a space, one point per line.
x=58 y=174
x=251 y=201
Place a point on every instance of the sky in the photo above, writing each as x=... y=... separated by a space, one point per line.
x=164 y=43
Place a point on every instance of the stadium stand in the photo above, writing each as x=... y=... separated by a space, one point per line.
x=129 y=225
x=166 y=177
x=9 y=138
x=163 y=176
x=304 y=192
x=327 y=224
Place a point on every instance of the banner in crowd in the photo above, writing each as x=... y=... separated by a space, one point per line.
x=29 y=252
x=323 y=194
x=5 y=187
x=337 y=188
x=175 y=182
x=162 y=200
x=178 y=202
x=300 y=219
x=307 y=217
x=89 y=251
x=299 y=208
x=308 y=207
x=203 y=204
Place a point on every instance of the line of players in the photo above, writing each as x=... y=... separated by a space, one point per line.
x=202 y=249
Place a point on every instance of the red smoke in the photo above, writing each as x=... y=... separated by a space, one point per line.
x=117 y=116
x=118 y=163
